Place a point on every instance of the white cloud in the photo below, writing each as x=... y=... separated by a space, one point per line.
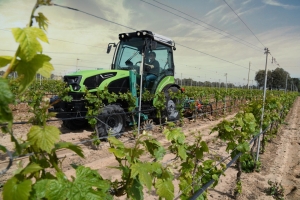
x=216 y=10
x=276 y=3
x=246 y=2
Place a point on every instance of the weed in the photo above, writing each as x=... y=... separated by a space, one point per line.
x=275 y=190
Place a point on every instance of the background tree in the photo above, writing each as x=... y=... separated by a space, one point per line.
x=276 y=79
x=260 y=77
x=279 y=78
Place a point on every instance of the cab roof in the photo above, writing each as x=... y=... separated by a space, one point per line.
x=145 y=33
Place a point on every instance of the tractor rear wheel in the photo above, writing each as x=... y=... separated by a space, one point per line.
x=172 y=113
x=110 y=121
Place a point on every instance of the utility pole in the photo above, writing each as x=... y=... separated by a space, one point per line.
x=225 y=95
x=248 y=75
x=191 y=82
x=286 y=82
x=226 y=81
x=264 y=99
x=181 y=79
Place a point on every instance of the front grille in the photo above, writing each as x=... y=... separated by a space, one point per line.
x=94 y=81
x=72 y=79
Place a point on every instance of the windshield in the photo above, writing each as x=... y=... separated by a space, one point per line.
x=129 y=52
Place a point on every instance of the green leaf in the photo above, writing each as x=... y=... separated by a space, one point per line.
x=43 y=137
x=3 y=148
x=215 y=177
x=16 y=190
x=165 y=188
x=244 y=147
x=5 y=60
x=182 y=152
x=207 y=164
x=6 y=97
x=155 y=149
x=204 y=146
x=31 y=168
x=42 y=21
x=136 y=190
x=40 y=188
x=228 y=128
x=116 y=142
x=199 y=153
x=87 y=185
x=117 y=152
x=28 y=40
x=240 y=122
x=46 y=69
x=27 y=70
x=142 y=169
x=69 y=145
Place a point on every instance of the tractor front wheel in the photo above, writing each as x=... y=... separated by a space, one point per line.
x=110 y=121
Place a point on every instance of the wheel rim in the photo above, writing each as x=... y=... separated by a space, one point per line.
x=171 y=109
x=114 y=124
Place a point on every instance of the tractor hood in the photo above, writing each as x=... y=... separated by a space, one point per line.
x=97 y=79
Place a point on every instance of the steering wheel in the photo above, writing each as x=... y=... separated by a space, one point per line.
x=146 y=67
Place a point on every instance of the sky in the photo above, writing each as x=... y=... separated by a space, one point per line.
x=213 y=37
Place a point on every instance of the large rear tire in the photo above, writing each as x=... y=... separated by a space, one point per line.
x=172 y=113
x=110 y=121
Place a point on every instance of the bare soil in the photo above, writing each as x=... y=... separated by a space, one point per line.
x=280 y=162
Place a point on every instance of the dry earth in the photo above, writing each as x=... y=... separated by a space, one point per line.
x=279 y=163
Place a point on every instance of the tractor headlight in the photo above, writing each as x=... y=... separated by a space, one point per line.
x=138 y=33
x=76 y=87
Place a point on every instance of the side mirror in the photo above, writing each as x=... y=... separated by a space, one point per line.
x=109 y=47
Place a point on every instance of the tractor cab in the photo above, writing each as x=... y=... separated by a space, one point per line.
x=135 y=49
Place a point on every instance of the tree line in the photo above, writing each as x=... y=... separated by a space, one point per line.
x=277 y=79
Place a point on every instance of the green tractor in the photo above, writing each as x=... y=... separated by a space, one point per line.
x=131 y=68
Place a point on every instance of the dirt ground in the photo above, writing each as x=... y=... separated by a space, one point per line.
x=280 y=162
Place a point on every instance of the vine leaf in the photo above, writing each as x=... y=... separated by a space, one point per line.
x=136 y=190
x=27 y=70
x=117 y=152
x=28 y=40
x=142 y=169
x=31 y=168
x=244 y=147
x=182 y=152
x=165 y=188
x=5 y=60
x=155 y=149
x=87 y=185
x=204 y=146
x=69 y=145
x=43 y=137
x=3 y=148
x=6 y=97
x=16 y=190
x=42 y=21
